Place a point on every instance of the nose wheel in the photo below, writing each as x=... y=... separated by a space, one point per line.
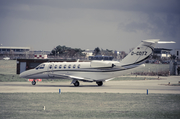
x=34 y=82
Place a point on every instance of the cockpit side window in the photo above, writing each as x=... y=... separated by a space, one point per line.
x=37 y=67
x=41 y=66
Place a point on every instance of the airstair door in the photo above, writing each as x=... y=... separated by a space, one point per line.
x=50 y=70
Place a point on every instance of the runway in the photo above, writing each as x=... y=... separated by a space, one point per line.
x=140 y=86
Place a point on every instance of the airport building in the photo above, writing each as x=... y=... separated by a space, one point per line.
x=22 y=53
x=88 y=53
x=162 y=52
x=14 y=52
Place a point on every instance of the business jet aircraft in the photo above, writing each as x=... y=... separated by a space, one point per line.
x=94 y=71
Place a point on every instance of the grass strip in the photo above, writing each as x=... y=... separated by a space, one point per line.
x=89 y=105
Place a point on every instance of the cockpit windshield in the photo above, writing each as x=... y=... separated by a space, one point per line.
x=41 y=66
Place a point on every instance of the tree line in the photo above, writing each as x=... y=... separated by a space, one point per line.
x=64 y=51
x=68 y=52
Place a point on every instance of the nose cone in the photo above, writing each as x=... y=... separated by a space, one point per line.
x=23 y=75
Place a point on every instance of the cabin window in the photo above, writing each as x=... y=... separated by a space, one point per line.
x=50 y=67
x=64 y=66
x=55 y=66
x=79 y=66
x=69 y=66
x=74 y=66
x=60 y=66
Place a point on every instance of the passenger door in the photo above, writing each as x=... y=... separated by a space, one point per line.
x=50 y=70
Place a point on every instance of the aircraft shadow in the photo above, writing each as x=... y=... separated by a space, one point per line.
x=66 y=86
x=29 y=85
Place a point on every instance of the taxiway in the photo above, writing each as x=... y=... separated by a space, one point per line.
x=140 y=86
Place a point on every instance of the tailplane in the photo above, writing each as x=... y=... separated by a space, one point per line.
x=140 y=53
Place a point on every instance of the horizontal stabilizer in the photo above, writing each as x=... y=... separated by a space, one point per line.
x=164 y=42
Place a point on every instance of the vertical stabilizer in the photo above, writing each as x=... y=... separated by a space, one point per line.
x=140 y=53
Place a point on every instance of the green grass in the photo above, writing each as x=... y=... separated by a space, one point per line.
x=89 y=105
x=7 y=66
x=154 y=68
x=11 y=78
x=134 y=78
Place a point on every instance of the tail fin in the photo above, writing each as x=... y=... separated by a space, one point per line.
x=140 y=53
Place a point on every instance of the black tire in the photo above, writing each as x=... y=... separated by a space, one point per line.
x=76 y=83
x=33 y=82
x=99 y=83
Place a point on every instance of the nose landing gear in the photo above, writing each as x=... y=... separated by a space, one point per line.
x=34 y=82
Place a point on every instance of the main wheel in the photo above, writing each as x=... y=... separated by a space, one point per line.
x=33 y=82
x=99 y=83
x=76 y=83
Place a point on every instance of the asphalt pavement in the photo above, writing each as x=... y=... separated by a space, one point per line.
x=163 y=85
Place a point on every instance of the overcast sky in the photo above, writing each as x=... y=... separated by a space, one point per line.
x=86 y=24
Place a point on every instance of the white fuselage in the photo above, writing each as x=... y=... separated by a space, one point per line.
x=84 y=71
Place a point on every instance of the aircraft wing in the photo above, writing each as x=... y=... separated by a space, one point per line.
x=68 y=76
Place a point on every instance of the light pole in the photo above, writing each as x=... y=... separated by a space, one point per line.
x=55 y=52
x=58 y=54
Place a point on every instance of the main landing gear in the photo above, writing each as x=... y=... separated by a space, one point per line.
x=34 y=82
x=76 y=83
x=100 y=83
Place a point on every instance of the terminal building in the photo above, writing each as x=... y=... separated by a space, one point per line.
x=162 y=52
x=14 y=52
x=22 y=53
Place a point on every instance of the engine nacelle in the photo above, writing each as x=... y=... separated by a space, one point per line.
x=102 y=64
